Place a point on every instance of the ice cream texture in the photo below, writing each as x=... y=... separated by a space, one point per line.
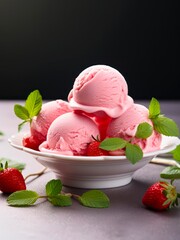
x=100 y=89
x=70 y=134
x=41 y=123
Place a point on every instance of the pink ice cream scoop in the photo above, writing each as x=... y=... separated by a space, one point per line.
x=40 y=124
x=70 y=134
x=100 y=89
x=126 y=125
x=50 y=111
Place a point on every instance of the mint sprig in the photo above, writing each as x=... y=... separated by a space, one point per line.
x=162 y=124
x=31 y=108
x=132 y=151
x=55 y=195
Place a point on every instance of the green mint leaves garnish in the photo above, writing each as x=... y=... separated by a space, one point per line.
x=132 y=151
x=154 y=108
x=94 y=199
x=54 y=194
x=22 y=198
x=32 y=107
x=162 y=124
x=53 y=187
x=112 y=144
x=144 y=130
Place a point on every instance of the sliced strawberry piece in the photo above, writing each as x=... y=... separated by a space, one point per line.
x=31 y=142
x=94 y=150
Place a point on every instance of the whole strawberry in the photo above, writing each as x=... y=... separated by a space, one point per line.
x=160 y=196
x=94 y=150
x=11 y=180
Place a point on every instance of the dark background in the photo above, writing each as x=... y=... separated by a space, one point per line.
x=45 y=44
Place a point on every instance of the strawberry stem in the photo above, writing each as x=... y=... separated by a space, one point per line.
x=36 y=174
x=95 y=139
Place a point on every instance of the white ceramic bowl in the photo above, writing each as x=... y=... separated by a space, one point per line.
x=93 y=172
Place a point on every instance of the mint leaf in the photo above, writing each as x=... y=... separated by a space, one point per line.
x=171 y=172
x=60 y=200
x=94 y=199
x=154 y=108
x=53 y=187
x=176 y=153
x=1 y=133
x=111 y=144
x=34 y=103
x=133 y=153
x=22 y=198
x=144 y=130
x=31 y=109
x=21 y=112
x=165 y=126
x=162 y=124
x=12 y=163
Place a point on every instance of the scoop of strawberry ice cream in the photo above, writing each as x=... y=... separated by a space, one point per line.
x=126 y=125
x=70 y=134
x=101 y=90
x=40 y=124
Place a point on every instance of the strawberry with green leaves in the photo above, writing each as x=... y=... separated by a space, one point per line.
x=11 y=179
x=160 y=196
x=31 y=109
x=163 y=195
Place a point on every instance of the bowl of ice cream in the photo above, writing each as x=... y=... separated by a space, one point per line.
x=92 y=172
x=98 y=106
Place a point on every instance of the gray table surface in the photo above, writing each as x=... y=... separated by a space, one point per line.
x=126 y=218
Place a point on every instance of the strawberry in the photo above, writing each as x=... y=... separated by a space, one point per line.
x=94 y=150
x=11 y=180
x=160 y=196
x=31 y=142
